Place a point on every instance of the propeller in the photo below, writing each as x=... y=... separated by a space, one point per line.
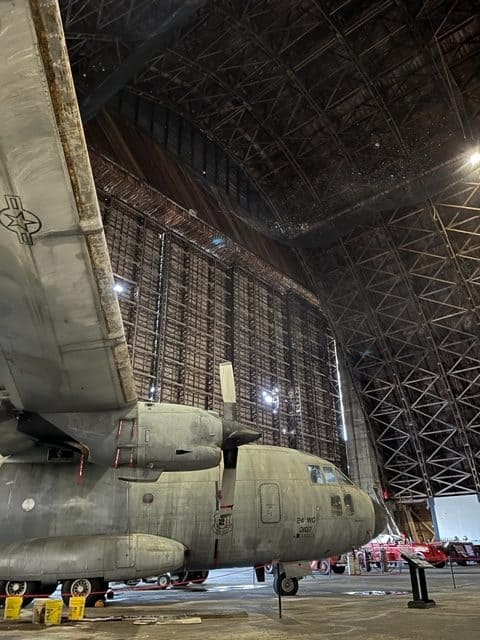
x=234 y=435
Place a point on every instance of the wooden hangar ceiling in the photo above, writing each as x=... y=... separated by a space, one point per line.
x=346 y=130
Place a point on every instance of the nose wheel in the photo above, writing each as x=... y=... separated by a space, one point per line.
x=285 y=586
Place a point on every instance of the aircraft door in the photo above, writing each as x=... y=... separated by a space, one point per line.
x=268 y=533
x=270 y=508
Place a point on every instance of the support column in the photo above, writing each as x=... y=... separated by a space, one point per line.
x=361 y=457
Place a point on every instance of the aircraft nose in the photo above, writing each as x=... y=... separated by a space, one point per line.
x=380 y=518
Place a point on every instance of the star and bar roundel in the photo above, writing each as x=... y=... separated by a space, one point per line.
x=17 y=219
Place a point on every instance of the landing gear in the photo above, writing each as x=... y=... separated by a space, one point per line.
x=163 y=581
x=25 y=588
x=285 y=586
x=92 y=589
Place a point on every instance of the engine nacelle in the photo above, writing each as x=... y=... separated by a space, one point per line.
x=169 y=437
x=148 y=439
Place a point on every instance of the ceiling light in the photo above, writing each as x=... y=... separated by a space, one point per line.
x=117 y=287
x=475 y=159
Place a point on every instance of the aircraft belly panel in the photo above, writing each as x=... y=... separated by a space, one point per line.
x=62 y=344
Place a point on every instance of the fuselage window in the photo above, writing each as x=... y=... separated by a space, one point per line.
x=316 y=475
x=336 y=503
x=330 y=477
x=348 y=502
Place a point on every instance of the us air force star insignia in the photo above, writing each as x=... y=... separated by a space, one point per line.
x=17 y=219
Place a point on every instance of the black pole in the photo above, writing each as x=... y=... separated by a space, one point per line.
x=451 y=571
x=423 y=585
x=413 y=578
x=279 y=589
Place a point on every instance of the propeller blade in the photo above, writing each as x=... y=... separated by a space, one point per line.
x=234 y=433
x=227 y=385
x=226 y=499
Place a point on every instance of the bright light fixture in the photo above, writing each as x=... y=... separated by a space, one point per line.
x=268 y=398
x=475 y=159
x=117 y=287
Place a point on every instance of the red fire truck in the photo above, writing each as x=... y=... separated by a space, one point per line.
x=383 y=555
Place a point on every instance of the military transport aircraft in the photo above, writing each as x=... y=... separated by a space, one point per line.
x=95 y=485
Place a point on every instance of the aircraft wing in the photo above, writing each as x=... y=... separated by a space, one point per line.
x=62 y=342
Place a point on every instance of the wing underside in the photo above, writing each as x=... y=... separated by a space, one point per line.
x=62 y=343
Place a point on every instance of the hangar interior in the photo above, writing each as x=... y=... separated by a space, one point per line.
x=294 y=186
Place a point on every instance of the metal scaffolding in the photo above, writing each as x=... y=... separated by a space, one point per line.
x=405 y=299
x=186 y=310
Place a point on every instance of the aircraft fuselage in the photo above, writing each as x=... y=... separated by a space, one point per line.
x=279 y=512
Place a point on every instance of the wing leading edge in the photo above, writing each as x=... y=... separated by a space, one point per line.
x=62 y=342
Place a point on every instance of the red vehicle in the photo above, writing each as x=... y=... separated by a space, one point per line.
x=337 y=564
x=376 y=553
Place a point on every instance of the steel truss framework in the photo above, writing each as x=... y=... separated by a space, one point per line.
x=322 y=104
x=185 y=311
x=404 y=295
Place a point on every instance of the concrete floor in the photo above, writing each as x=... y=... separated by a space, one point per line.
x=335 y=607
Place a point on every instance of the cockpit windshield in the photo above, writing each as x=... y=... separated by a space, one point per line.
x=342 y=478
x=327 y=475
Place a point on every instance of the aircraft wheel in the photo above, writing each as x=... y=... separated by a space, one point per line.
x=439 y=565
x=336 y=569
x=163 y=581
x=180 y=579
x=27 y=589
x=2 y=593
x=92 y=589
x=197 y=577
x=288 y=586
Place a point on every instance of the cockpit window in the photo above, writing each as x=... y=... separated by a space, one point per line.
x=316 y=475
x=330 y=477
x=342 y=478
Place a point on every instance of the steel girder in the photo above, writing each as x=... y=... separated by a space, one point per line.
x=327 y=108
x=404 y=296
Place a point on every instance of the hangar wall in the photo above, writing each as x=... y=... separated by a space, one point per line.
x=191 y=299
